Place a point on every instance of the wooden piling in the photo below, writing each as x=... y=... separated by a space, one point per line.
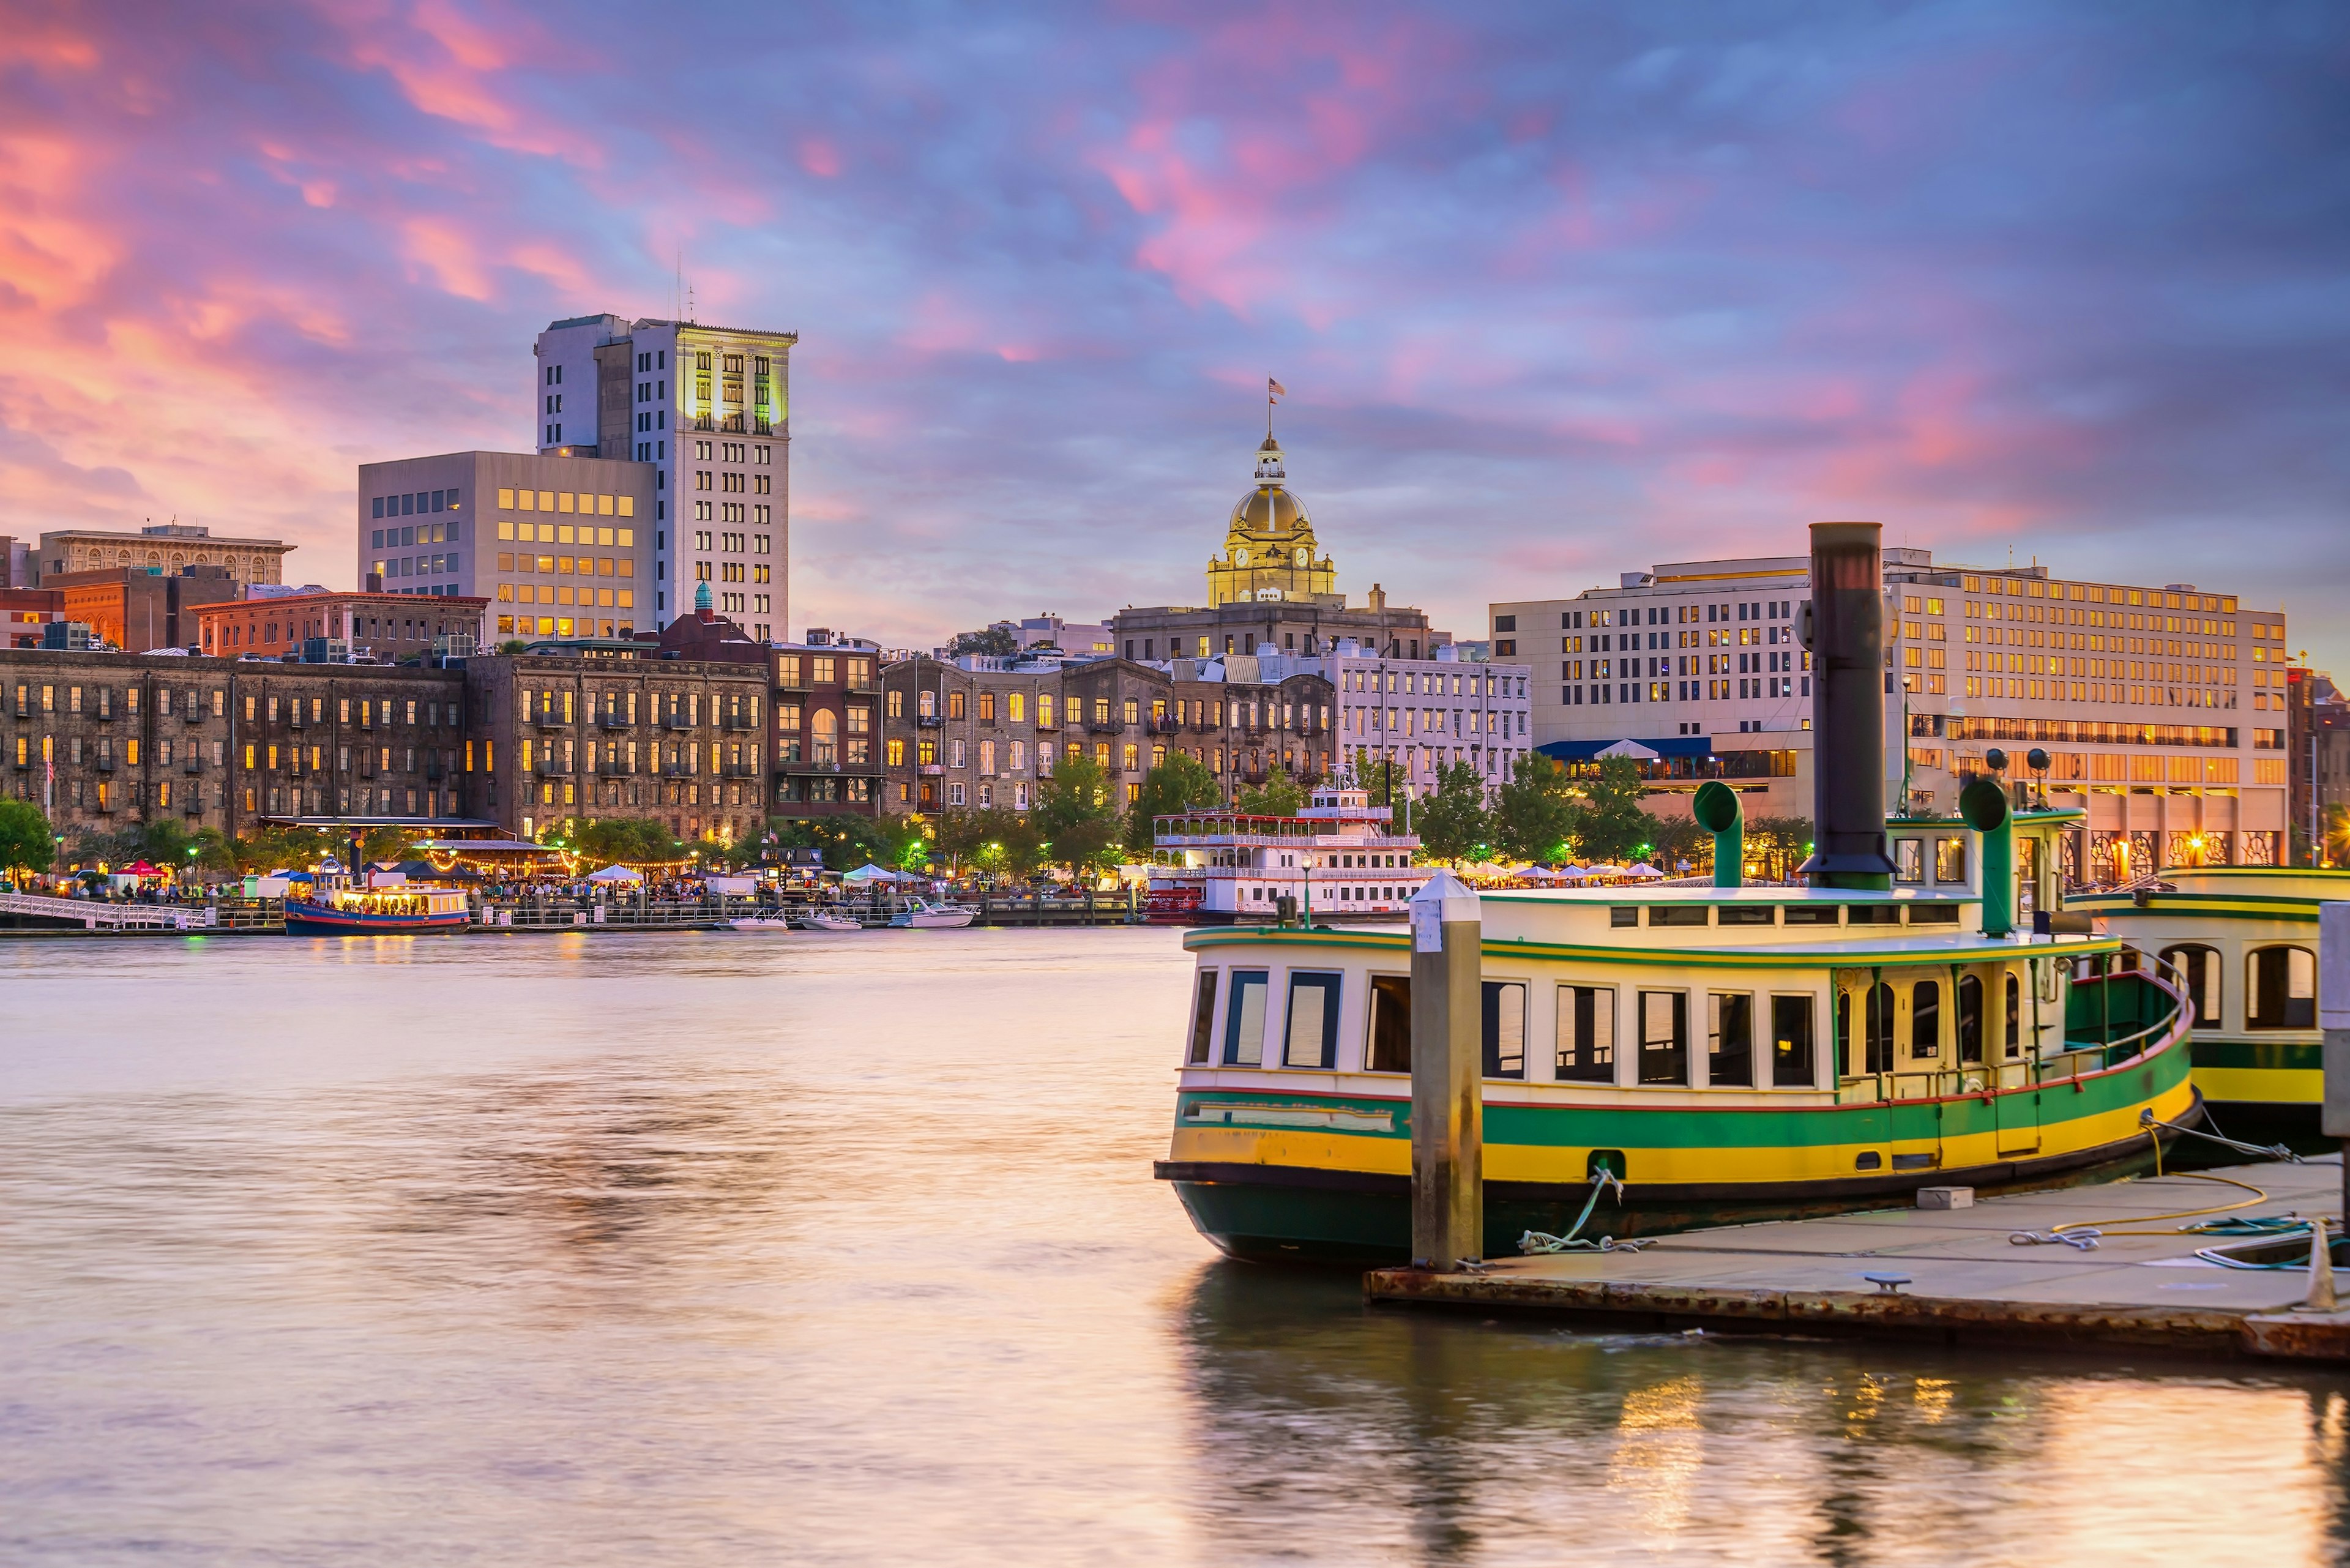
x=1447 y=1122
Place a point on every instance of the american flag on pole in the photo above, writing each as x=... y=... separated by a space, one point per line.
x=1274 y=390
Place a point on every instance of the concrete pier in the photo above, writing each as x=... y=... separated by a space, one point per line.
x=1951 y=1276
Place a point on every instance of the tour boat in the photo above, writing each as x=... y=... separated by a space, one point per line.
x=1336 y=856
x=929 y=915
x=396 y=909
x=831 y=920
x=2241 y=941
x=1724 y=1054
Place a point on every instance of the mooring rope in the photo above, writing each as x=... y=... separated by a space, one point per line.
x=1602 y=1179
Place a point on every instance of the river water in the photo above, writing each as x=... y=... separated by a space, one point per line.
x=719 y=1248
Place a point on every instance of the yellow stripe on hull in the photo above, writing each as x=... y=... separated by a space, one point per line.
x=2261 y=1085
x=1556 y=1164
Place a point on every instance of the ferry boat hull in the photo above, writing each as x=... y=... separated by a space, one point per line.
x=1294 y=1213
x=305 y=917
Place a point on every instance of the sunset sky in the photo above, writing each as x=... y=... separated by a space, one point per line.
x=1558 y=290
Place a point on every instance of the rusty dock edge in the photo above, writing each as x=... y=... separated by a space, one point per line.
x=1627 y=1306
x=1622 y=1305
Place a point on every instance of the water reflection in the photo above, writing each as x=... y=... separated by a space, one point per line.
x=615 y=1249
x=1445 y=1440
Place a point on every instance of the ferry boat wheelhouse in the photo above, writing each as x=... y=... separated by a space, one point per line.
x=1339 y=857
x=2242 y=942
x=1725 y=1054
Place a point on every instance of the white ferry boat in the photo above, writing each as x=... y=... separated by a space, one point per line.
x=1338 y=859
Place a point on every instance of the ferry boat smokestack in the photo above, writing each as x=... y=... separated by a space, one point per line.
x=1844 y=627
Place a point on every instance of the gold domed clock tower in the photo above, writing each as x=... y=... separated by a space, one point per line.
x=1269 y=548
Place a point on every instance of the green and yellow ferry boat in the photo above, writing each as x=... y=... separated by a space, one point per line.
x=2242 y=942
x=1727 y=1054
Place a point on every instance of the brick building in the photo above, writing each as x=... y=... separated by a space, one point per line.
x=981 y=733
x=135 y=610
x=98 y=740
x=826 y=740
x=679 y=740
x=388 y=627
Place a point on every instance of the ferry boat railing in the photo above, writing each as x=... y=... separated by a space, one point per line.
x=2136 y=1009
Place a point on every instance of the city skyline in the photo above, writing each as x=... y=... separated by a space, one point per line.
x=1555 y=298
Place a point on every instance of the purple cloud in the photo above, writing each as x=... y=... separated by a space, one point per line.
x=1558 y=293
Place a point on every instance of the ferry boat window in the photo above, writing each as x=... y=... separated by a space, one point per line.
x=2280 y=985
x=1844 y=1034
x=1244 y=1020
x=1878 y=1022
x=1926 y=1019
x=1624 y=915
x=1909 y=860
x=2200 y=968
x=2014 y=1034
x=1749 y=914
x=1505 y=1029
x=1730 y=1039
x=1791 y=1043
x=1587 y=1034
x=1391 y=1033
x=1203 y=1021
x=1933 y=914
x=1874 y=915
x=1664 y=1037
x=1678 y=914
x=1970 y=1020
x=1811 y=914
x=1949 y=860
x=1312 y=1037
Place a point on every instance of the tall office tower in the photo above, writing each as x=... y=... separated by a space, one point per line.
x=708 y=408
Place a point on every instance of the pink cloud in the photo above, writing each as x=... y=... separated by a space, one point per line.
x=820 y=156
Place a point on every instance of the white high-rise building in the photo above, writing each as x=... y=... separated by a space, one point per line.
x=2160 y=710
x=708 y=408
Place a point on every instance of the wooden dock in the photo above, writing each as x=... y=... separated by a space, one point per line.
x=1952 y=1276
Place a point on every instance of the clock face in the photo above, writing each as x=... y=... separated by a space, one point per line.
x=1239 y=557
x=1301 y=555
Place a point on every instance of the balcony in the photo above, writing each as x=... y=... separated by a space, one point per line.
x=677 y=722
x=1102 y=726
x=1165 y=724
x=613 y=720
x=738 y=721
x=612 y=768
x=929 y=770
x=740 y=770
x=433 y=770
x=546 y=768
x=192 y=714
x=932 y=721
x=193 y=766
x=106 y=764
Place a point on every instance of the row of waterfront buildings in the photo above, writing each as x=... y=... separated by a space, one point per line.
x=596 y=627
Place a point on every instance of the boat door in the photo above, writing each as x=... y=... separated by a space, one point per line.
x=2017 y=1110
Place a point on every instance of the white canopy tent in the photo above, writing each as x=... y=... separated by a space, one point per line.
x=615 y=874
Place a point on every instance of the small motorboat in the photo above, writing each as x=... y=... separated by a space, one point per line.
x=828 y=920
x=761 y=923
x=928 y=915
